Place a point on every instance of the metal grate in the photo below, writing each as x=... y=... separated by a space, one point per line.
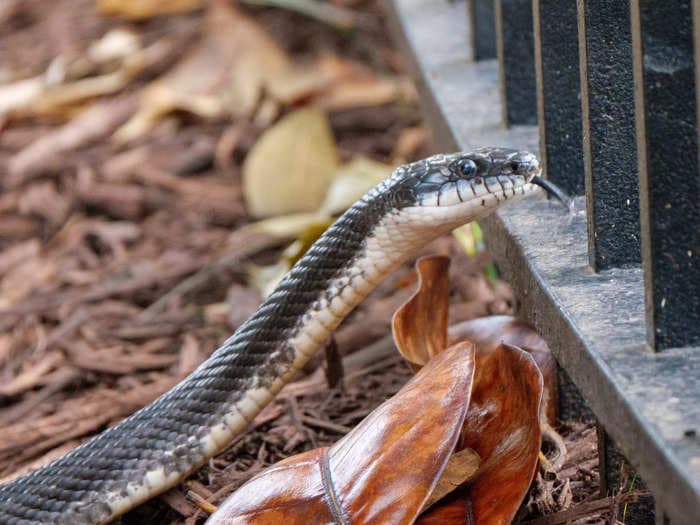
x=605 y=91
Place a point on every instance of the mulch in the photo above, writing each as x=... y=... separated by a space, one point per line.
x=122 y=269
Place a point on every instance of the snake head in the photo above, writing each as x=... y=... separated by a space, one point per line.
x=459 y=187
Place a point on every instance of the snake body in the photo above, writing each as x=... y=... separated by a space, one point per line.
x=159 y=445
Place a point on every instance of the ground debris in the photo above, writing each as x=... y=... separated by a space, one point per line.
x=123 y=264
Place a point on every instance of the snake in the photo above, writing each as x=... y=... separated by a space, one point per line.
x=159 y=445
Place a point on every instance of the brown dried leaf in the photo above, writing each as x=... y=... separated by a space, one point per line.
x=226 y=73
x=453 y=510
x=420 y=325
x=489 y=332
x=94 y=123
x=415 y=430
x=502 y=426
x=337 y=84
x=366 y=93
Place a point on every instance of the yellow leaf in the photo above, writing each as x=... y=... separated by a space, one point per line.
x=351 y=182
x=137 y=9
x=290 y=167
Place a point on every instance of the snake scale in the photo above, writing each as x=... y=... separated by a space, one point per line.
x=162 y=443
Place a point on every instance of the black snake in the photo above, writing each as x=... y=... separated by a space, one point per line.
x=165 y=441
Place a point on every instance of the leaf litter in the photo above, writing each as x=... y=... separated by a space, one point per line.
x=125 y=236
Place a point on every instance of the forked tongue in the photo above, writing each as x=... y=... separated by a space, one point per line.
x=553 y=190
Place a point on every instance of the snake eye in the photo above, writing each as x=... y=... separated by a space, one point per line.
x=467 y=167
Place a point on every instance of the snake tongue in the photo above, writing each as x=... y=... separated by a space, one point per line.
x=553 y=190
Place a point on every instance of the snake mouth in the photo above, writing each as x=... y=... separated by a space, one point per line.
x=482 y=189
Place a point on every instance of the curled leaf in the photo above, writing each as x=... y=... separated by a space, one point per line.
x=490 y=332
x=502 y=426
x=383 y=471
x=420 y=324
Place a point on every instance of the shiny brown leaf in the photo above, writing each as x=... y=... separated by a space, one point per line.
x=490 y=332
x=383 y=471
x=502 y=426
x=420 y=324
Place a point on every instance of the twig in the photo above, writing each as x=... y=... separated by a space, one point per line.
x=585 y=509
x=199 y=279
x=325 y=425
x=334 y=16
x=334 y=364
x=202 y=503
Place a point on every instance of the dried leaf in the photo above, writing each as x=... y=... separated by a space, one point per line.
x=285 y=226
x=489 y=332
x=420 y=324
x=503 y=420
x=94 y=123
x=366 y=93
x=360 y=475
x=290 y=167
x=352 y=181
x=453 y=510
x=226 y=73
x=140 y=9
x=502 y=426
x=336 y=84
x=460 y=468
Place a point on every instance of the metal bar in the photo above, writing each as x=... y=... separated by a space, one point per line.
x=516 y=59
x=593 y=322
x=558 y=92
x=481 y=17
x=618 y=477
x=669 y=172
x=609 y=140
